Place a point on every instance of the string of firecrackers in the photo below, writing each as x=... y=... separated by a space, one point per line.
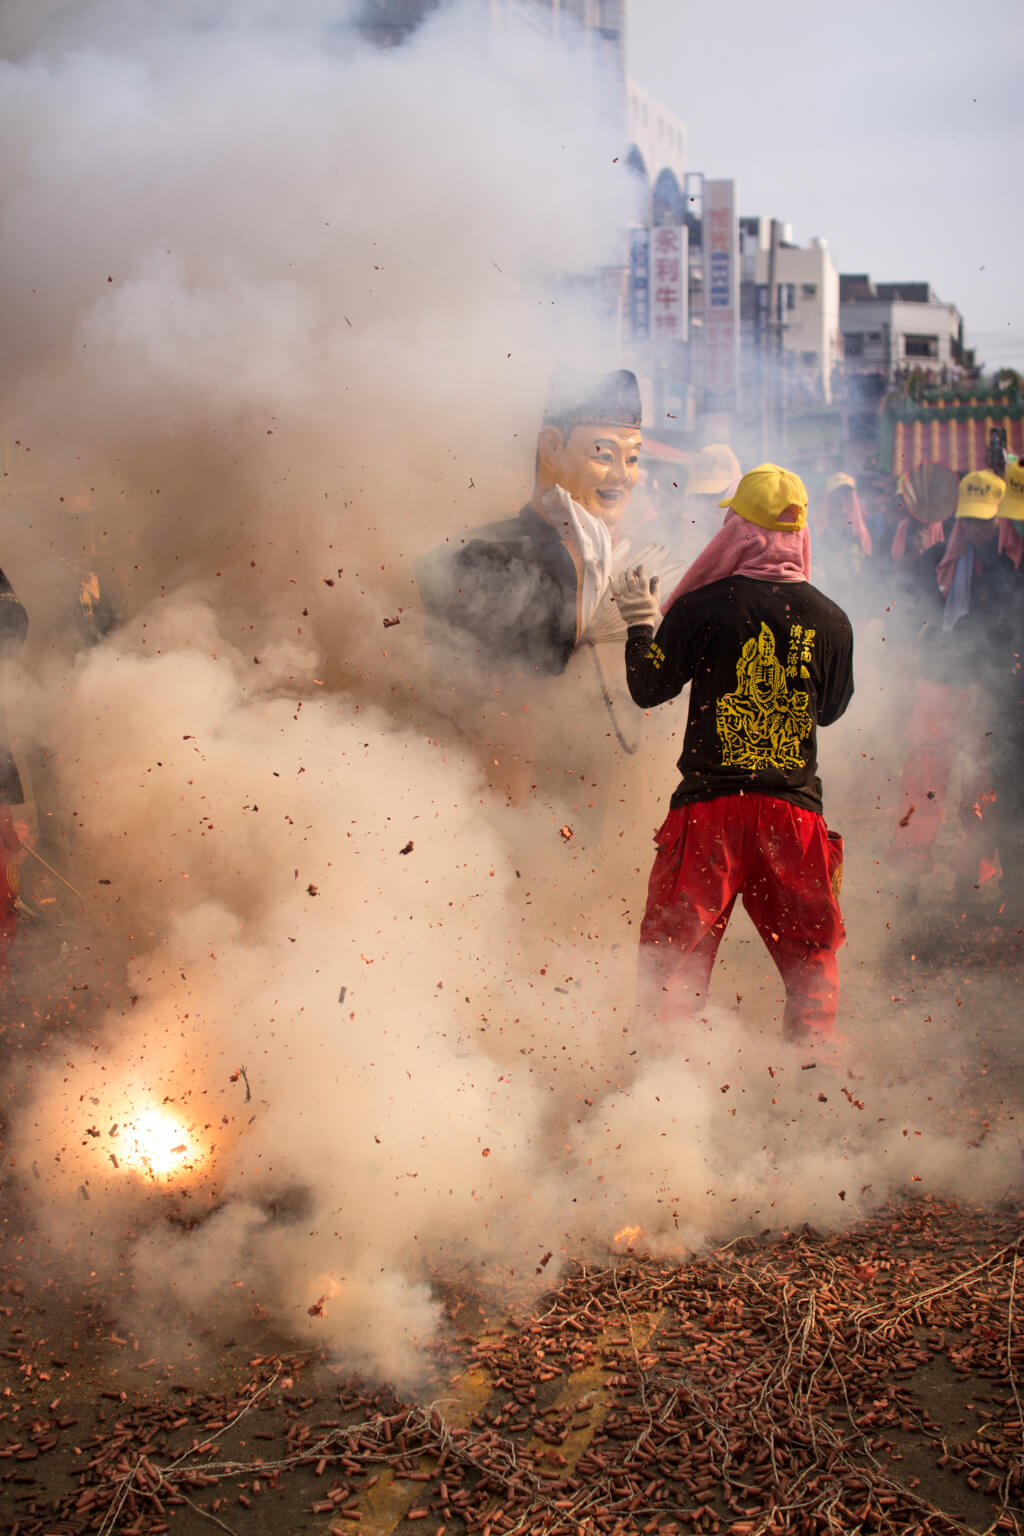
x=758 y=1391
x=785 y=1287
x=912 y=1307
x=147 y=1479
x=892 y=1488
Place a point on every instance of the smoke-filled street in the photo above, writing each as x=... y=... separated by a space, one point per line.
x=351 y=1180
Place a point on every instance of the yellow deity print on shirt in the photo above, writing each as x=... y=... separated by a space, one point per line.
x=762 y=724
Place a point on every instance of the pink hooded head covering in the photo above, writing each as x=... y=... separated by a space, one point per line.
x=829 y=517
x=931 y=534
x=980 y=495
x=742 y=548
x=929 y=495
x=1010 y=513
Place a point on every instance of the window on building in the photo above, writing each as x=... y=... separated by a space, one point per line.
x=809 y=359
x=809 y=290
x=921 y=346
x=790 y=295
x=873 y=335
x=853 y=343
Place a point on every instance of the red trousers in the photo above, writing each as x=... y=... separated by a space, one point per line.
x=787 y=866
x=10 y=856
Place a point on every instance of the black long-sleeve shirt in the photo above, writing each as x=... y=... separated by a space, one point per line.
x=768 y=662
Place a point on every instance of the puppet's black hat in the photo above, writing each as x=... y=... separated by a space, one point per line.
x=574 y=399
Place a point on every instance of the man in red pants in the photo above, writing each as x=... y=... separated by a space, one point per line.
x=768 y=658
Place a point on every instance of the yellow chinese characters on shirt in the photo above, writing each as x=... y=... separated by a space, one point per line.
x=762 y=724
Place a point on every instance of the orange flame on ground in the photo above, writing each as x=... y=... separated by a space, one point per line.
x=158 y=1145
x=331 y=1289
x=623 y=1241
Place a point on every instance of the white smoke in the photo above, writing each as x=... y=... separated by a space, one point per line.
x=283 y=311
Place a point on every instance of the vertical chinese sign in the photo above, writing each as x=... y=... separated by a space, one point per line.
x=669 y=309
x=721 y=294
x=640 y=284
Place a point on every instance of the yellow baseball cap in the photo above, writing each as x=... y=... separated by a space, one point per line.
x=1012 y=504
x=770 y=497
x=834 y=482
x=980 y=494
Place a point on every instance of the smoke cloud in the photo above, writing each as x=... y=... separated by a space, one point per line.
x=282 y=312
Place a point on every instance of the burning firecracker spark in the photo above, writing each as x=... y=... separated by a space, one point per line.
x=332 y=1288
x=157 y=1145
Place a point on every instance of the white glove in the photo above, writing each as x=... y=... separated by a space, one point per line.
x=636 y=595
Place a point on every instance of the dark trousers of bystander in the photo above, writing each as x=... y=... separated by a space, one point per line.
x=786 y=865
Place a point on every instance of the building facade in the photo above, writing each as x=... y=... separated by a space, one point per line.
x=600 y=23
x=656 y=153
x=891 y=330
x=790 y=311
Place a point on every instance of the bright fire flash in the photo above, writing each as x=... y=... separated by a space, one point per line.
x=156 y=1144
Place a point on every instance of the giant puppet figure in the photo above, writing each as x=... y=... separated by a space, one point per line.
x=525 y=591
x=769 y=659
x=531 y=630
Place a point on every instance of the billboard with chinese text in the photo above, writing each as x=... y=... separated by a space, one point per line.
x=669 y=309
x=640 y=284
x=721 y=294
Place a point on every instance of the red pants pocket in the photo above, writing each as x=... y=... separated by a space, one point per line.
x=835 y=863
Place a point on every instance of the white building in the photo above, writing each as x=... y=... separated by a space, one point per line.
x=791 y=306
x=656 y=152
x=892 y=329
x=602 y=23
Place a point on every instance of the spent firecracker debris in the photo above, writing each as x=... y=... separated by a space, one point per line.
x=785 y=1385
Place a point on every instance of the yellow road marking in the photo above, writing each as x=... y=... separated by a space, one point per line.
x=384 y=1506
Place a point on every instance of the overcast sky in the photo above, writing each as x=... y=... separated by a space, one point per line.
x=894 y=128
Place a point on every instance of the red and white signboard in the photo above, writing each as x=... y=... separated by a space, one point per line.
x=721 y=291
